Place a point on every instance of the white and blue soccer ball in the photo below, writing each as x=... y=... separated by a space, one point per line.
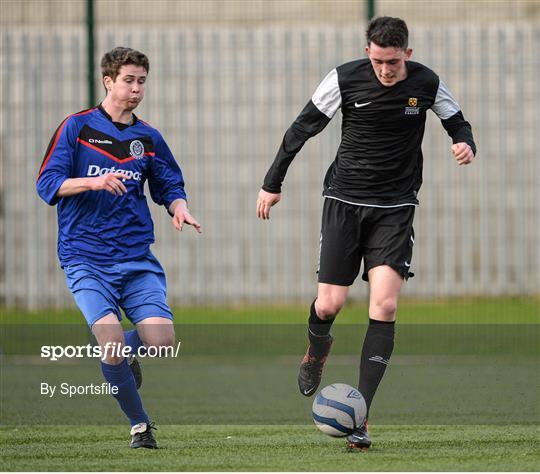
x=339 y=409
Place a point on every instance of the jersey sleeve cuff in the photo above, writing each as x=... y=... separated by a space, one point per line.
x=168 y=202
x=50 y=195
x=271 y=189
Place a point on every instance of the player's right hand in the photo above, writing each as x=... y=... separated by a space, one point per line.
x=111 y=182
x=463 y=153
x=264 y=202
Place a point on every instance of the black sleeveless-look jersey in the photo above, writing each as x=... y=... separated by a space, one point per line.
x=379 y=160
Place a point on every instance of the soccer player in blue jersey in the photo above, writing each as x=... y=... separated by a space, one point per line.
x=94 y=171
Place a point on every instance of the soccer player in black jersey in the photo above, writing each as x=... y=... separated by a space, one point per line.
x=370 y=191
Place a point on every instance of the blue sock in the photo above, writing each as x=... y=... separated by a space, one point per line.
x=128 y=398
x=134 y=341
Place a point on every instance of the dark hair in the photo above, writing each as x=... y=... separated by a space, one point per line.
x=386 y=31
x=118 y=57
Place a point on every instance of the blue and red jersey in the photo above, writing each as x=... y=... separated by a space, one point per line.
x=97 y=226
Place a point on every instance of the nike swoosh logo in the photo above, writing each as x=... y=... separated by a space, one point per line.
x=307 y=391
x=357 y=105
x=407 y=264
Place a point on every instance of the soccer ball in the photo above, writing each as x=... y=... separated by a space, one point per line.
x=339 y=409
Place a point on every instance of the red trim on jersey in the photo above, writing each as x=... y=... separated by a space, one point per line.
x=103 y=152
x=112 y=157
x=84 y=112
x=57 y=137
x=48 y=157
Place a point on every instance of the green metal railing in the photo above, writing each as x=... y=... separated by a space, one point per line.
x=90 y=52
x=370 y=9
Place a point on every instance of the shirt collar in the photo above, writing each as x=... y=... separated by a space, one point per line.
x=119 y=125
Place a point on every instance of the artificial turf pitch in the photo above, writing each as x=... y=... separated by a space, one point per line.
x=460 y=394
x=268 y=448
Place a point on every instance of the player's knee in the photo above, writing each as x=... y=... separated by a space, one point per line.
x=161 y=341
x=385 y=308
x=328 y=308
x=111 y=351
x=168 y=341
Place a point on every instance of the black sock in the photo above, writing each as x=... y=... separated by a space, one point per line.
x=319 y=329
x=376 y=352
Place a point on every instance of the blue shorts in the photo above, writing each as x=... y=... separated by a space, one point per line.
x=138 y=287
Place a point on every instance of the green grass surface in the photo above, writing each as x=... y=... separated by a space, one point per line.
x=501 y=310
x=464 y=371
x=495 y=389
x=264 y=448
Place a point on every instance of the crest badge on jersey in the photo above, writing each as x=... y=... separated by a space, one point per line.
x=412 y=108
x=136 y=149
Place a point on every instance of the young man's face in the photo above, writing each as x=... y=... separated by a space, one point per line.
x=388 y=63
x=127 y=90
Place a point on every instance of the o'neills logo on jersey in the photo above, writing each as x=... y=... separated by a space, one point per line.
x=136 y=149
x=95 y=170
x=412 y=109
x=101 y=142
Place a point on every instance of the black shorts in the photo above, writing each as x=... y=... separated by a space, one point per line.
x=350 y=233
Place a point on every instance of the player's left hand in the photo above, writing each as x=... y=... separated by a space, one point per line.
x=463 y=153
x=265 y=201
x=182 y=216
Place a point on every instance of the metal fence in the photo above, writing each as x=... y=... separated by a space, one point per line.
x=223 y=98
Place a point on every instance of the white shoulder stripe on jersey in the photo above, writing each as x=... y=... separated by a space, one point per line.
x=445 y=105
x=327 y=97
